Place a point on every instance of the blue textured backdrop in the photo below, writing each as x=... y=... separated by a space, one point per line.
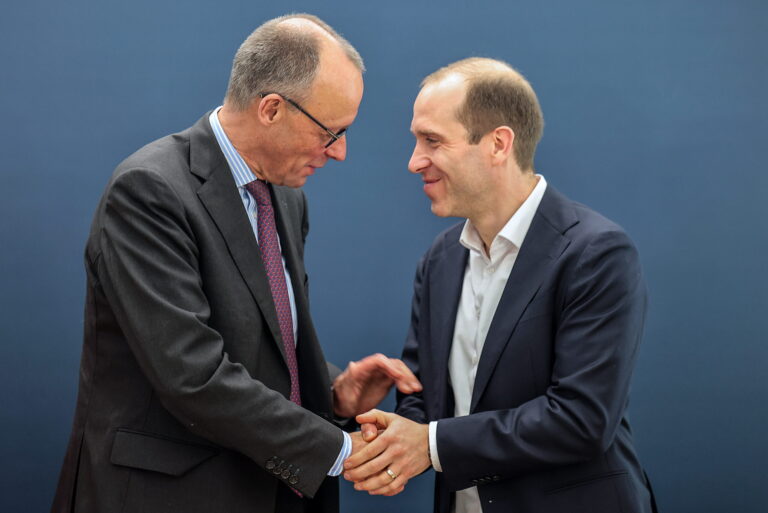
x=656 y=116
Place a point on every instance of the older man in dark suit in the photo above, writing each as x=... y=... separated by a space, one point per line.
x=525 y=326
x=203 y=387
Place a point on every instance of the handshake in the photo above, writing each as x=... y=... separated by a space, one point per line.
x=389 y=449
x=386 y=452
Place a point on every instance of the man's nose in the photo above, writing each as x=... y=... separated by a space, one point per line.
x=338 y=150
x=418 y=161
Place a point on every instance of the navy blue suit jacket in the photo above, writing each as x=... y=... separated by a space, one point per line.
x=548 y=428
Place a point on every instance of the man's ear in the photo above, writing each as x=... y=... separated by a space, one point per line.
x=268 y=109
x=503 y=139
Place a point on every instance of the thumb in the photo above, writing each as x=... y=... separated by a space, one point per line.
x=369 y=432
x=377 y=417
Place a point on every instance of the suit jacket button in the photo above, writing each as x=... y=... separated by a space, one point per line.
x=287 y=472
x=271 y=463
x=293 y=479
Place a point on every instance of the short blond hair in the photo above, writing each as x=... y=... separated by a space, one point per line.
x=497 y=95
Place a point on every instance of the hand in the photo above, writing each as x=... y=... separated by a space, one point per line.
x=401 y=448
x=360 y=439
x=367 y=433
x=365 y=383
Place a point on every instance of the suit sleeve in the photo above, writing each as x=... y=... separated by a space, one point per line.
x=597 y=335
x=148 y=268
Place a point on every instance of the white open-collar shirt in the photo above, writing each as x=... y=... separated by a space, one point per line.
x=485 y=277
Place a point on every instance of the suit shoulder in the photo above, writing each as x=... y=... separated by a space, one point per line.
x=166 y=156
x=600 y=243
x=590 y=233
x=593 y=226
x=157 y=173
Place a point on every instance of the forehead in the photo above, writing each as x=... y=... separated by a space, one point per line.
x=337 y=90
x=434 y=110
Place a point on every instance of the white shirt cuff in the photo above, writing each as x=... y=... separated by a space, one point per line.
x=346 y=450
x=433 y=446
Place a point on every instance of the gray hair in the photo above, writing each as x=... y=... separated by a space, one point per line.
x=281 y=58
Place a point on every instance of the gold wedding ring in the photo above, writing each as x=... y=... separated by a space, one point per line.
x=391 y=474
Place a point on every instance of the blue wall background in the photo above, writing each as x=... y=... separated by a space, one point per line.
x=656 y=116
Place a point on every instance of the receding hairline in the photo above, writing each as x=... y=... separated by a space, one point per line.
x=495 y=94
x=473 y=69
x=323 y=33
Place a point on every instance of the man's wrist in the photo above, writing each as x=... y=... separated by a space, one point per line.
x=346 y=450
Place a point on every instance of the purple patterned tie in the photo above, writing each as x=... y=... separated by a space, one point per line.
x=273 y=263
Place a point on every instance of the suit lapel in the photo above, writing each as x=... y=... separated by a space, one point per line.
x=218 y=193
x=314 y=380
x=543 y=245
x=445 y=286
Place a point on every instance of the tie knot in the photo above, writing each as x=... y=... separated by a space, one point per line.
x=260 y=192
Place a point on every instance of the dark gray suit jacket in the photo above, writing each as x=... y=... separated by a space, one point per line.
x=547 y=430
x=182 y=398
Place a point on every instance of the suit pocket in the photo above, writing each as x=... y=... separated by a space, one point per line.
x=148 y=451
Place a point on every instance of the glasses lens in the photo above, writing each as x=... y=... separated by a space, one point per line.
x=339 y=135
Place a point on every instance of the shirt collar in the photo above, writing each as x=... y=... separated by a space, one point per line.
x=240 y=170
x=515 y=230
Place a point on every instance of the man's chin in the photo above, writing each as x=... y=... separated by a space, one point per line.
x=301 y=178
x=297 y=182
x=439 y=210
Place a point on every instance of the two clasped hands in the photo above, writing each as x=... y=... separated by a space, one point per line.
x=389 y=449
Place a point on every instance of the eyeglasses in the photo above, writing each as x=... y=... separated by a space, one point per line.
x=335 y=136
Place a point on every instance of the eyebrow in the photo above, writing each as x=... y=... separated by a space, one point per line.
x=426 y=133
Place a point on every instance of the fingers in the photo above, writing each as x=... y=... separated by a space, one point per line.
x=394 y=368
x=367 y=453
x=383 y=484
x=373 y=467
x=407 y=383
